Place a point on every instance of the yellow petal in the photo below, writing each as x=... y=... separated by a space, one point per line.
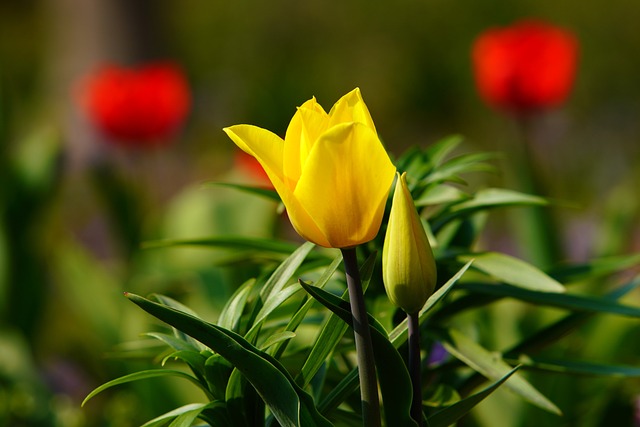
x=266 y=147
x=408 y=266
x=345 y=183
x=304 y=222
x=309 y=121
x=351 y=108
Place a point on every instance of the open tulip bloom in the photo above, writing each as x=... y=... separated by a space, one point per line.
x=330 y=170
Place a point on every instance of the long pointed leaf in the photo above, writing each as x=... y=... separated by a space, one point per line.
x=493 y=367
x=233 y=309
x=275 y=285
x=143 y=375
x=265 y=373
x=564 y=301
x=193 y=407
x=513 y=271
x=578 y=368
x=297 y=318
x=331 y=333
x=453 y=413
x=595 y=268
x=227 y=242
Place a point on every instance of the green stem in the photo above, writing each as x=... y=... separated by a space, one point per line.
x=415 y=368
x=539 y=230
x=364 y=347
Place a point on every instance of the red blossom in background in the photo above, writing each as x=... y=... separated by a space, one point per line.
x=137 y=107
x=528 y=66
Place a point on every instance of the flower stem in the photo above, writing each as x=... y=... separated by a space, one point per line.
x=537 y=226
x=415 y=368
x=364 y=347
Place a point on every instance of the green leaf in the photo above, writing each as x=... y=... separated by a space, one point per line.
x=229 y=242
x=555 y=331
x=453 y=413
x=344 y=418
x=578 y=368
x=267 y=376
x=552 y=333
x=285 y=271
x=185 y=420
x=272 y=293
x=274 y=300
x=173 y=342
x=242 y=404
x=195 y=360
x=440 y=194
x=483 y=200
x=398 y=337
x=297 y=318
x=395 y=384
x=596 y=268
x=415 y=162
x=259 y=191
x=276 y=338
x=143 y=375
x=233 y=309
x=340 y=392
x=439 y=151
x=399 y=334
x=465 y=163
x=564 y=301
x=513 y=271
x=217 y=371
x=493 y=367
x=170 y=302
x=196 y=408
x=498 y=197
x=331 y=333
x=441 y=395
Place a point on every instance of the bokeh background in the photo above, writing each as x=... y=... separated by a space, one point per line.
x=74 y=207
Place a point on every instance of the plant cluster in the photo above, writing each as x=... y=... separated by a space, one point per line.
x=280 y=351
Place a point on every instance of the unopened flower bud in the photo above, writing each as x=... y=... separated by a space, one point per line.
x=408 y=266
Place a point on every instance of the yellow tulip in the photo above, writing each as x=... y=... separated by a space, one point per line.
x=408 y=266
x=331 y=170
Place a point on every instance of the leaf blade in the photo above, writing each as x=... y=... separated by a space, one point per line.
x=493 y=367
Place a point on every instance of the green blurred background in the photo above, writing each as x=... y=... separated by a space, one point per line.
x=74 y=209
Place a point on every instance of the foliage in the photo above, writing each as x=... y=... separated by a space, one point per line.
x=278 y=353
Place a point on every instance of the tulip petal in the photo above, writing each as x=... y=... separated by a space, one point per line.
x=345 y=184
x=265 y=146
x=309 y=122
x=304 y=224
x=351 y=108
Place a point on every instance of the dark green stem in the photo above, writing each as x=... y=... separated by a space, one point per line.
x=415 y=368
x=364 y=347
x=539 y=230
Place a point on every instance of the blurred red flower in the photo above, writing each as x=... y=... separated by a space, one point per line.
x=137 y=107
x=530 y=65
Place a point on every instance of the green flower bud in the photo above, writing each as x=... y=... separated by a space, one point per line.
x=408 y=266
